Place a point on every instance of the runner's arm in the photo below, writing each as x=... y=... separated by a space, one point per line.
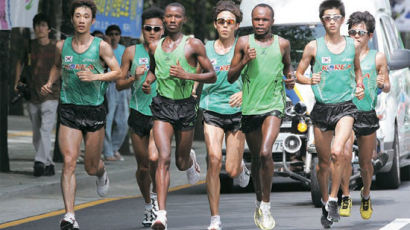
x=206 y=76
x=287 y=68
x=382 y=69
x=308 y=55
x=357 y=68
x=237 y=64
x=107 y=55
x=123 y=82
x=146 y=86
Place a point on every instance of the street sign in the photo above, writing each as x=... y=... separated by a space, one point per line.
x=124 y=13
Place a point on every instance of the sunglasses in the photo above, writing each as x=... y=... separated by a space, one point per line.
x=361 y=33
x=149 y=28
x=328 y=18
x=222 y=21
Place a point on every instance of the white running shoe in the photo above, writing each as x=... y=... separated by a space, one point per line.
x=103 y=184
x=193 y=172
x=215 y=225
x=160 y=223
x=243 y=178
x=148 y=218
x=154 y=203
x=266 y=220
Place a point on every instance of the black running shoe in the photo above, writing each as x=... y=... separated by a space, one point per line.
x=323 y=219
x=333 y=214
x=38 y=169
x=49 y=170
x=69 y=224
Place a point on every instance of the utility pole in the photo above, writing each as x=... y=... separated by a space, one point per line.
x=4 y=89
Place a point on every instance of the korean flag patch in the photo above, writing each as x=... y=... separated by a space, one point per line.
x=68 y=59
x=326 y=60
x=143 y=61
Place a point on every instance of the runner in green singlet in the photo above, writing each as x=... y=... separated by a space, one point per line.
x=336 y=71
x=265 y=58
x=221 y=103
x=136 y=60
x=173 y=61
x=82 y=113
x=375 y=77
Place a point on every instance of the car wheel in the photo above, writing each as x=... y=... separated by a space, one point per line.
x=391 y=179
x=405 y=173
x=314 y=185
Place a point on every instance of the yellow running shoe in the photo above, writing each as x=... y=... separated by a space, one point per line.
x=346 y=206
x=366 y=209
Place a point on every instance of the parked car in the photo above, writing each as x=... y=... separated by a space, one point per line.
x=300 y=25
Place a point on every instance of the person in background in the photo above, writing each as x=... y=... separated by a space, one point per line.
x=116 y=128
x=42 y=108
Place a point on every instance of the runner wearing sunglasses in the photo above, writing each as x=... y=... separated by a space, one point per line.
x=376 y=77
x=336 y=79
x=136 y=60
x=263 y=58
x=220 y=102
x=174 y=60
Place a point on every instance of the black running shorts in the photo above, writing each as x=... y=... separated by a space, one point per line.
x=366 y=123
x=326 y=116
x=250 y=123
x=86 y=118
x=181 y=114
x=227 y=122
x=139 y=123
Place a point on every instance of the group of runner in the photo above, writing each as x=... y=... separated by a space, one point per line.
x=243 y=97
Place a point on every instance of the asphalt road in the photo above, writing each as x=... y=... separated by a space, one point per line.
x=188 y=210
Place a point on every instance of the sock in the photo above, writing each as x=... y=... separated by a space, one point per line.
x=216 y=218
x=153 y=195
x=365 y=197
x=265 y=205
x=332 y=199
x=148 y=206
x=258 y=203
x=343 y=196
x=323 y=203
x=162 y=212
x=69 y=216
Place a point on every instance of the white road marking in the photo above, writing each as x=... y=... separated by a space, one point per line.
x=396 y=224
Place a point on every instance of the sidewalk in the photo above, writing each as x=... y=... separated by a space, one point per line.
x=23 y=195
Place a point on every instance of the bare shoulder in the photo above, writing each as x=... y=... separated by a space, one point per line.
x=311 y=47
x=194 y=42
x=129 y=51
x=104 y=45
x=242 y=41
x=60 y=44
x=283 y=42
x=153 y=46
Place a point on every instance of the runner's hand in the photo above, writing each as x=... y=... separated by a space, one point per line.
x=146 y=87
x=236 y=99
x=178 y=71
x=46 y=89
x=316 y=77
x=359 y=92
x=86 y=75
x=250 y=54
x=290 y=80
x=139 y=71
x=193 y=93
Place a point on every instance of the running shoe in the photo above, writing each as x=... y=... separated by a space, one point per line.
x=346 y=206
x=242 y=179
x=333 y=212
x=266 y=221
x=160 y=222
x=193 y=172
x=148 y=218
x=323 y=219
x=215 y=225
x=103 y=184
x=69 y=223
x=154 y=203
x=257 y=216
x=366 y=209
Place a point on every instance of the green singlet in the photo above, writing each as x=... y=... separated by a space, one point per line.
x=215 y=96
x=368 y=65
x=74 y=91
x=263 y=88
x=141 y=101
x=169 y=86
x=337 y=82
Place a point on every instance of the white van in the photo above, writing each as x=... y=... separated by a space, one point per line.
x=298 y=21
